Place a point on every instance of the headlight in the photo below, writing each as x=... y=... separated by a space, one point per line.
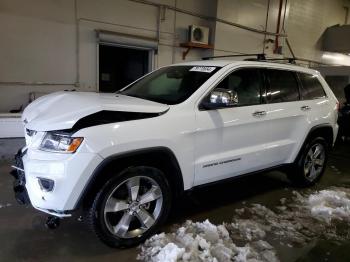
x=60 y=143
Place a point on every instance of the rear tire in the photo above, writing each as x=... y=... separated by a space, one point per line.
x=310 y=164
x=130 y=207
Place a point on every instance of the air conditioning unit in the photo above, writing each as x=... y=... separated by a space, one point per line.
x=198 y=34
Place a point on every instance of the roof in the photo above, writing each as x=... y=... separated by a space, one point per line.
x=222 y=63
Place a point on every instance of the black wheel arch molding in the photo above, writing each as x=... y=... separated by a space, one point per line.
x=124 y=160
x=323 y=130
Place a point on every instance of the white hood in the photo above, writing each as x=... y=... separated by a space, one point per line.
x=62 y=110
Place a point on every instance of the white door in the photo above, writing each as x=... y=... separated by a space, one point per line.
x=288 y=115
x=232 y=141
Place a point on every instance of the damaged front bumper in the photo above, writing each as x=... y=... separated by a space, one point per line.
x=19 y=186
x=51 y=182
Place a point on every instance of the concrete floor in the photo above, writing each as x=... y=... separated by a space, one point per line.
x=23 y=236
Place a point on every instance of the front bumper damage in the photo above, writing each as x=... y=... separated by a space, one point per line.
x=19 y=186
x=21 y=194
x=50 y=182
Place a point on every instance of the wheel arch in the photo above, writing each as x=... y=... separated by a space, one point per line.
x=323 y=130
x=159 y=157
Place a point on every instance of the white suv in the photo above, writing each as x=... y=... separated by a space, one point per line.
x=123 y=157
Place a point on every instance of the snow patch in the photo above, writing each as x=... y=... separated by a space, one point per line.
x=203 y=241
x=330 y=204
x=248 y=237
x=170 y=253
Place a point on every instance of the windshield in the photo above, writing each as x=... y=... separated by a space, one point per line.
x=170 y=85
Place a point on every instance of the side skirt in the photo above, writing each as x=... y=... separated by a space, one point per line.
x=230 y=179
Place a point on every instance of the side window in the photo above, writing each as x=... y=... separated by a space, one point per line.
x=311 y=87
x=283 y=86
x=246 y=84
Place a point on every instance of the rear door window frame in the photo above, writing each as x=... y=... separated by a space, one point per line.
x=268 y=85
x=302 y=88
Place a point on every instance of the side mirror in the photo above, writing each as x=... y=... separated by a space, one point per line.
x=221 y=98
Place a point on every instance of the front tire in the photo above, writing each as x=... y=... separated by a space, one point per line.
x=311 y=163
x=130 y=207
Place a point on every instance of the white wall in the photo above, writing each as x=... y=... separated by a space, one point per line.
x=49 y=45
x=142 y=21
x=251 y=13
x=305 y=23
x=37 y=45
x=308 y=20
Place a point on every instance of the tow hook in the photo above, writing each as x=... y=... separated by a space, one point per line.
x=52 y=222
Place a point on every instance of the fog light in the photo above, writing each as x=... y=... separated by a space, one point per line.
x=46 y=184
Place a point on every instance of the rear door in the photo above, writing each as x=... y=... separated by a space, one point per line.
x=287 y=113
x=312 y=92
x=314 y=98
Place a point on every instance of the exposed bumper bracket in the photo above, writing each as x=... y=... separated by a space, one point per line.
x=19 y=188
x=17 y=168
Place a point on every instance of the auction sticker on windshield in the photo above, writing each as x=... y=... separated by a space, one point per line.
x=204 y=69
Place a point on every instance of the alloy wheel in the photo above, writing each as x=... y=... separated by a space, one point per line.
x=314 y=161
x=133 y=207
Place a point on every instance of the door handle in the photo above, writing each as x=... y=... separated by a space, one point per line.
x=305 y=108
x=259 y=113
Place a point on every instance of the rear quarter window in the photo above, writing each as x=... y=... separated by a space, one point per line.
x=311 y=88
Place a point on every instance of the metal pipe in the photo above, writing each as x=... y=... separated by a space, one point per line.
x=159 y=22
x=266 y=21
x=278 y=26
x=211 y=18
x=290 y=48
x=174 y=37
x=346 y=14
x=121 y=25
x=284 y=16
x=35 y=83
x=284 y=30
x=77 y=44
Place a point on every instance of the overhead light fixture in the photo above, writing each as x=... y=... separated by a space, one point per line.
x=338 y=57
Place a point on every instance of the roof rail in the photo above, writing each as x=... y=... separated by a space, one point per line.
x=287 y=59
x=298 y=61
x=262 y=58
x=258 y=56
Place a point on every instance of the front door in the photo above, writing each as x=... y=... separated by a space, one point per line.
x=232 y=141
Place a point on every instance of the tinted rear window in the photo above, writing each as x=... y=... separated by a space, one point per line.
x=283 y=86
x=311 y=87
